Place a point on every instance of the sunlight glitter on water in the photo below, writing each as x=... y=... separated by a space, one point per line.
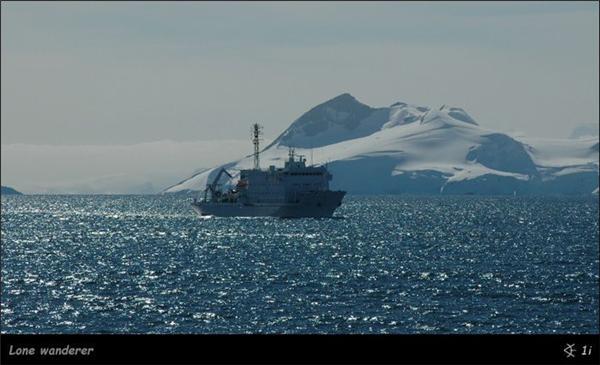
x=148 y=264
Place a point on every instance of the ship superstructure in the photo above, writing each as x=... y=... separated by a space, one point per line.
x=295 y=190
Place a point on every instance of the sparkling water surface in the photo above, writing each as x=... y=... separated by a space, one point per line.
x=385 y=264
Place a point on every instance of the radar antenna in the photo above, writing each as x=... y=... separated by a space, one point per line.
x=256 y=133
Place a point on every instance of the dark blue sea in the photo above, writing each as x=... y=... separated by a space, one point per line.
x=385 y=264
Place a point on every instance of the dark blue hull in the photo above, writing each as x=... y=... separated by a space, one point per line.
x=316 y=204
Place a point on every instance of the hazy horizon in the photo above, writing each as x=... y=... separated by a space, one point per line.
x=116 y=96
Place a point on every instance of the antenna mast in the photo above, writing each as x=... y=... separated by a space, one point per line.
x=256 y=133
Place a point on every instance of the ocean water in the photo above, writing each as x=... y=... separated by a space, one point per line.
x=385 y=264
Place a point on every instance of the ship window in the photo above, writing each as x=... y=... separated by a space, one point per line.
x=305 y=173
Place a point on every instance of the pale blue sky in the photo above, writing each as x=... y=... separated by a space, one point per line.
x=102 y=73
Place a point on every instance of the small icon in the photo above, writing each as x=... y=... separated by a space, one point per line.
x=587 y=350
x=570 y=350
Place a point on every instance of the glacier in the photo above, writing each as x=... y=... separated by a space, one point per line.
x=415 y=149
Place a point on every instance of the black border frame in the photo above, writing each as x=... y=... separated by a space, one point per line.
x=304 y=349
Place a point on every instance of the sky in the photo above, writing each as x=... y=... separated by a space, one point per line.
x=82 y=81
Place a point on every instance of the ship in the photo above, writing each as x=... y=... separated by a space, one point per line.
x=292 y=191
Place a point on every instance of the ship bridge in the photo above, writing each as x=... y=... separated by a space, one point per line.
x=283 y=184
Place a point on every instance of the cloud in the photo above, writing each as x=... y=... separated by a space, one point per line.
x=120 y=169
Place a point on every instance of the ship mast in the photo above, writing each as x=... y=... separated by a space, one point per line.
x=256 y=133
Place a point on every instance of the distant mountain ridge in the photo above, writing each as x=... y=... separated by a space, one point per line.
x=336 y=120
x=585 y=130
x=416 y=149
x=6 y=190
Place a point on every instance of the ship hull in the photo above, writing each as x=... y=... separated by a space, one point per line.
x=316 y=205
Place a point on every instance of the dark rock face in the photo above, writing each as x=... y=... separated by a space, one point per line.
x=582 y=183
x=370 y=175
x=585 y=130
x=460 y=114
x=5 y=190
x=502 y=153
x=342 y=112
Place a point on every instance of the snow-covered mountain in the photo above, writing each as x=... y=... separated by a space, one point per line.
x=585 y=131
x=415 y=149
